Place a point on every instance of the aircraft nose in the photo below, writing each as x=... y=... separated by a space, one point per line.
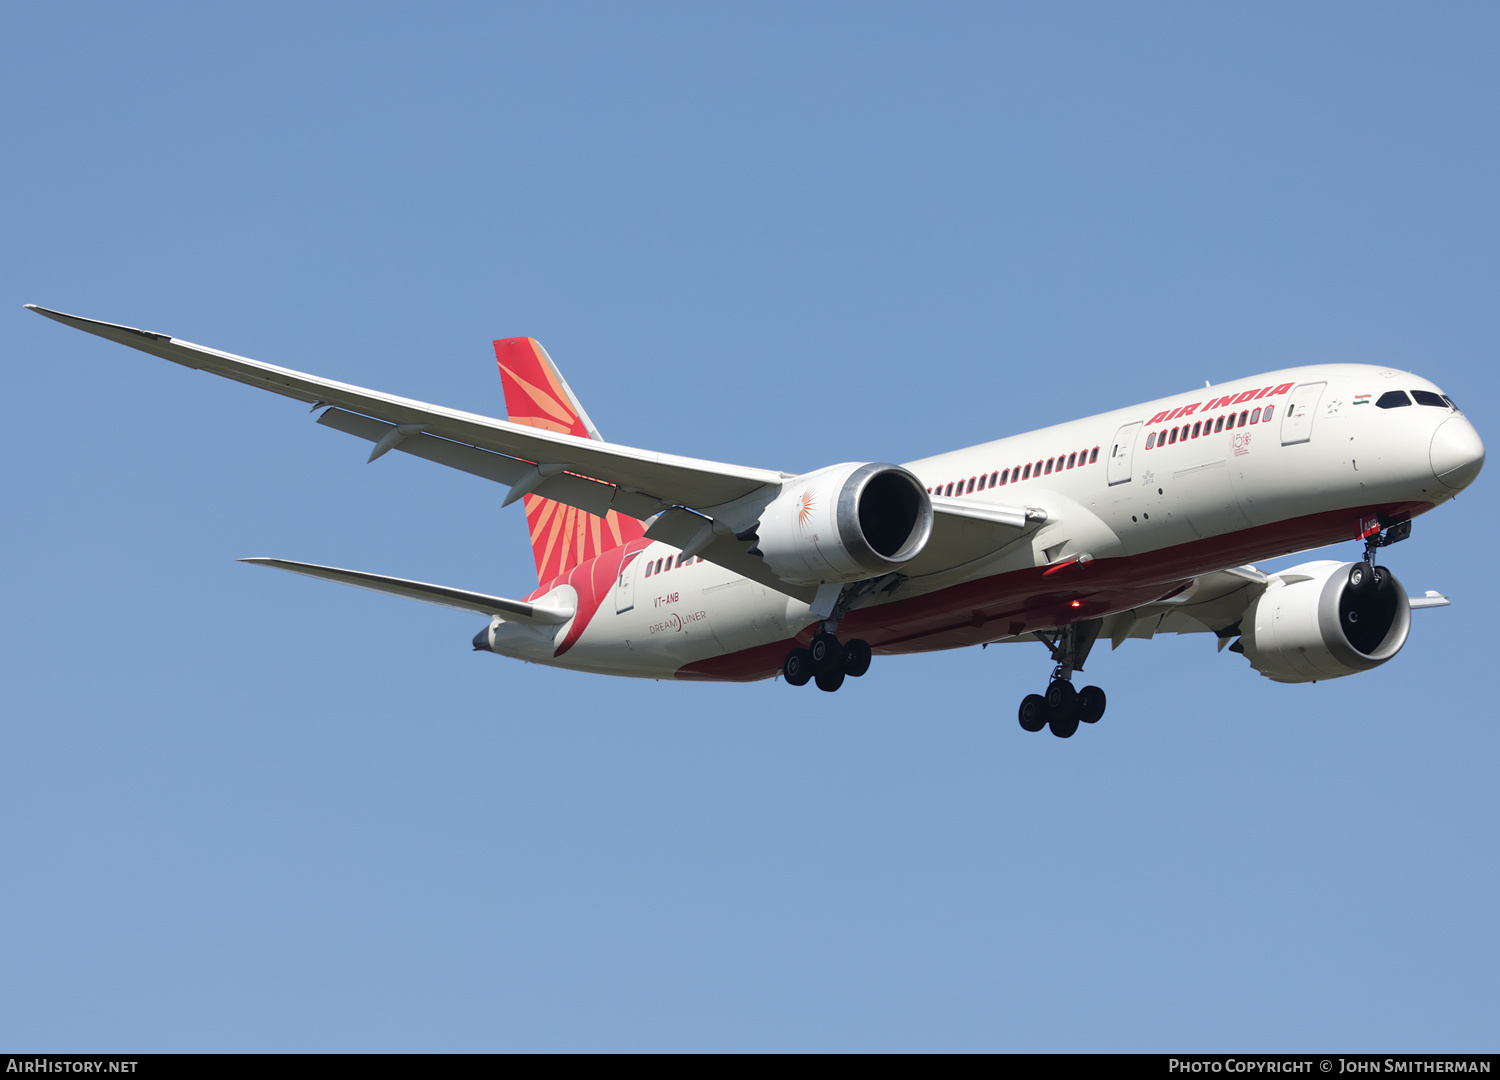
x=1457 y=453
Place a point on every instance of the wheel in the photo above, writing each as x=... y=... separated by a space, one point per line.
x=856 y=658
x=797 y=667
x=1361 y=576
x=830 y=679
x=1033 y=712
x=1062 y=699
x=1090 y=704
x=1064 y=726
x=825 y=651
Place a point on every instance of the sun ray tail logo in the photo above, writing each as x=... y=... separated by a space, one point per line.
x=562 y=537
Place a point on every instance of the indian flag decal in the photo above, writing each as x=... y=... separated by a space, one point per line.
x=1361 y=399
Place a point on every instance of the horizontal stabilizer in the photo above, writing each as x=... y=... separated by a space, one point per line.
x=510 y=610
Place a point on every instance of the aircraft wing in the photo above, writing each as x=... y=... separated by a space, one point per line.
x=510 y=610
x=1213 y=603
x=682 y=481
x=589 y=474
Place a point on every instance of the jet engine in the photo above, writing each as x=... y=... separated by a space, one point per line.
x=844 y=523
x=1323 y=620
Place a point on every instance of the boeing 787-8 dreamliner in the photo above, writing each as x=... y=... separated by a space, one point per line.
x=1122 y=525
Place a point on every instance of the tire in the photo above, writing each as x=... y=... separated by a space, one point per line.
x=856 y=658
x=825 y=651
x=1064 y=726
x=797 y=668
x=1091 y=702
x=1361 y=577
x=1033 y=713
x=1062 y=700
x=830 y=679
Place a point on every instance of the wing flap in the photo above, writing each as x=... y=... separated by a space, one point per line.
x=509 y=610
x=591 y=496
x=963 y=532
x=693 y=534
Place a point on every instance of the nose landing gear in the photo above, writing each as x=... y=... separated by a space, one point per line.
x=1063 y=708
x=827 y=661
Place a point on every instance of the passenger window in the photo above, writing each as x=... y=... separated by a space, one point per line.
x=1004 y=478
x=1049 y=466
x=1197 y=430
x=971 y=483
x=1427 y=397
x=1150 y=440
x=1219 y=424
x=1027 y=474
x=1229 y=423
x=1171 y=438
x=1093 y=455
x=648 y=569
x=1269 y=410
x=994 y=478
x=1393 y=399
x=949 y=491
x=1255 y=417
x=1072 y=460
x=1244 y=416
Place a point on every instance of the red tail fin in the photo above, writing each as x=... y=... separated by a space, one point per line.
x=535 y=394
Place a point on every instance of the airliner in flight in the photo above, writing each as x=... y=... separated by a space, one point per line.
x=1123 y=525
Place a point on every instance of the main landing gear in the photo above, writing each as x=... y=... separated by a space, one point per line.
x=827 y=661
x=1063 y=708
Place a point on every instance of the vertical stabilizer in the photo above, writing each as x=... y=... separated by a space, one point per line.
x=536 y=394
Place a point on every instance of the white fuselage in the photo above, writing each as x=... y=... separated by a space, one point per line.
x=1206 y=494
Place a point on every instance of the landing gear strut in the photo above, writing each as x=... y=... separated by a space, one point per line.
x=827 y=661
x=1383 y=534
x=1062 y=707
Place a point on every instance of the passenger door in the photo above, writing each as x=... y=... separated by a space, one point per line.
x=625 y=584
x=1121 y=454
x=1301 y=407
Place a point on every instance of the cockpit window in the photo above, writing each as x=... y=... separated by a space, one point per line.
x=1450 y=401
x=1427 y=397
x=1393 y=399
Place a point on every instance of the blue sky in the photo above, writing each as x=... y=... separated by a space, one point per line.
x=248 y=811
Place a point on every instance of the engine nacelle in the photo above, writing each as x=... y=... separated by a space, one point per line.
x=845 y=523
x=1312 y=623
